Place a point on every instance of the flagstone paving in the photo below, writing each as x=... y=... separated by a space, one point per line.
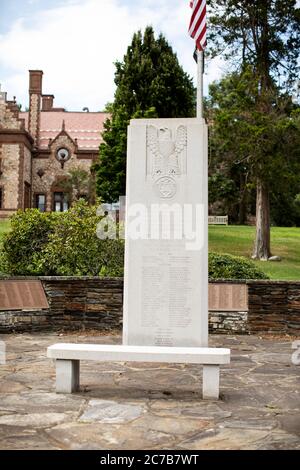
x=150 y=406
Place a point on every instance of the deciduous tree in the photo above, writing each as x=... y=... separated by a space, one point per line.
x=266 y=35
x=265 y=145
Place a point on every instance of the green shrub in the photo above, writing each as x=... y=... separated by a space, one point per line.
x=22 y=246
x=233 y=267
x=60 y=244
x=73 y=248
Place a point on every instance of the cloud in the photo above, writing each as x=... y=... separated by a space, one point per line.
x=76 y=44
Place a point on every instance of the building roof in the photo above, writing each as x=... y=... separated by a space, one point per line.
x=85 y=127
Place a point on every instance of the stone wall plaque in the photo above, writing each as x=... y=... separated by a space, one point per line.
x=22 y=295
x=166 y=283
x=228 y=297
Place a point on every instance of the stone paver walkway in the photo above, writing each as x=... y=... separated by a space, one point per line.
x=144 y=406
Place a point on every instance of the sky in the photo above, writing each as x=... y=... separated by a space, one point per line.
x=76 y=42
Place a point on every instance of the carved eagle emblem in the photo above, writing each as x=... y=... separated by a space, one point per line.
x=165 y=151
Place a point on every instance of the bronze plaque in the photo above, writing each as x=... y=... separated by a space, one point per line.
x=228 y=297
x=22 y=295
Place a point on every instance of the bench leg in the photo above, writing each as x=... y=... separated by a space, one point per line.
x=211 y=382
x=67 y=376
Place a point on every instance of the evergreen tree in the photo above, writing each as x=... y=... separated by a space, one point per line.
x=150 y=83
x=265 y=35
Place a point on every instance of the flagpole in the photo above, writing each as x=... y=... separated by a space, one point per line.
x=200 y=72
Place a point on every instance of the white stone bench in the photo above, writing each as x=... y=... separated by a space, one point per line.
x=218 y=220
x=68 y=357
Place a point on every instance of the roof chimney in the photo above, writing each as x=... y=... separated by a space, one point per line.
x=35 y=93
x=35 y=81
x=47 y=102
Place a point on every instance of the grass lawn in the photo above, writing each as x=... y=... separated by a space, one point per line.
x=238 y=240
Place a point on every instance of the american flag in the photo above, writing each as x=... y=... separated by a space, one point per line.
x=197 y=29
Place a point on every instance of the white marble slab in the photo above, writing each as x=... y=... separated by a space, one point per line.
x=166 y=278
x=121 y=353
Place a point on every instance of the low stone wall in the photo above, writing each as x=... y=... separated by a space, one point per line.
x=228 y=322
x=74 y=303
x=274 y=307
x=93 y=303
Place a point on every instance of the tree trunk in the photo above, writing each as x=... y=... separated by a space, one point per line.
x=262 y=244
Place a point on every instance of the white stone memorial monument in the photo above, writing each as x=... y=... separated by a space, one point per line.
x=166 y=267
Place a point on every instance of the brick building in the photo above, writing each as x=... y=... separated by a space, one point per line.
x=38 y=149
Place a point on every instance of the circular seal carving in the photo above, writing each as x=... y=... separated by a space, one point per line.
x=166 y=187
